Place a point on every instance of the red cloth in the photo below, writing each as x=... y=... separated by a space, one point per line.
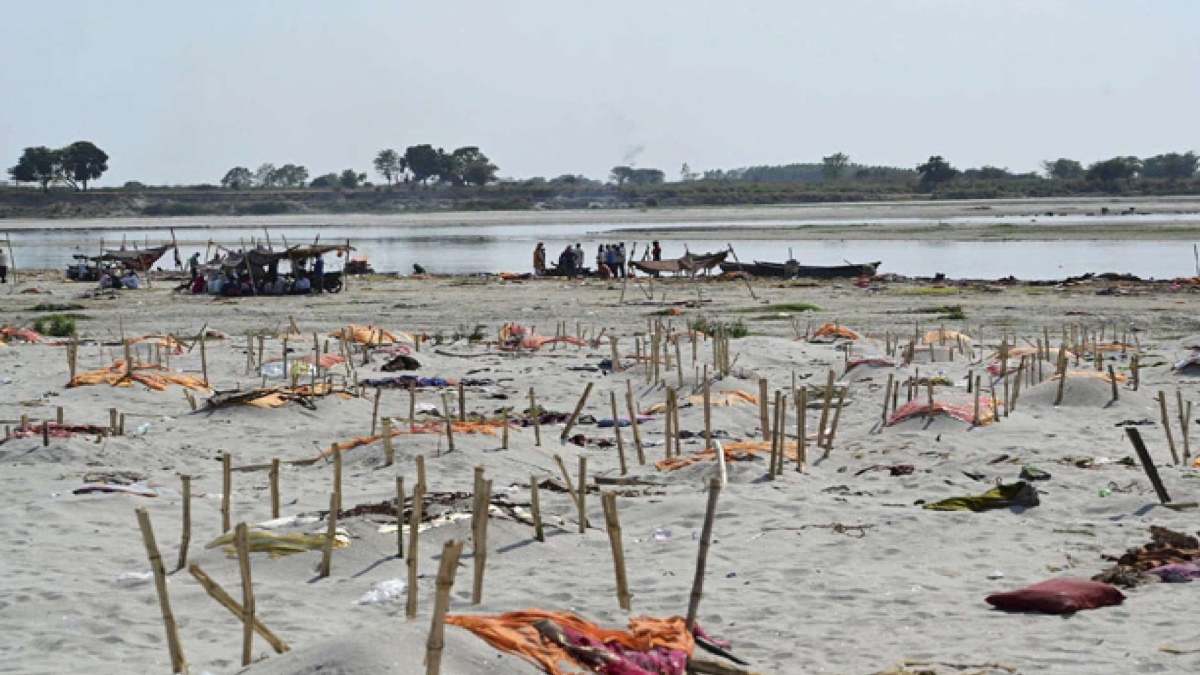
x=1058 y=596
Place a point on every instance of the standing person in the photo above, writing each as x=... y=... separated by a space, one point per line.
x=3 y=267
x=603 y=257
x=656 y=252
x=194 y=265
x=578 y=258
x=620 y=254
x=566 y=262
x=539 y=260
x=319 y=275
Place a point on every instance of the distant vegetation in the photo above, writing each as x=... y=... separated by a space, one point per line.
x=424 y=178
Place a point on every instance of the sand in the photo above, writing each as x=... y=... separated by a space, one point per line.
x=792 y=593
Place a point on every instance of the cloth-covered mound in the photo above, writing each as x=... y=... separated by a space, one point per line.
x=999 y=497
x=1058 y=596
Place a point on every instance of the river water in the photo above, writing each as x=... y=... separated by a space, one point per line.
x=458 y=249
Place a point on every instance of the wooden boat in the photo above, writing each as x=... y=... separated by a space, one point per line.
x=793 y=269
x=688 y=263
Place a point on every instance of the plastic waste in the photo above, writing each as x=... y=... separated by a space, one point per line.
x=1104 y=492
x=661 y=535
x=130 y=579
x=142 y=429
x=383 y=592
x=272 y=370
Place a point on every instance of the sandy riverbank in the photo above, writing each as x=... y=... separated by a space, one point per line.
x=792 y=593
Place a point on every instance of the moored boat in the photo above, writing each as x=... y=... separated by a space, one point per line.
x=793 y=269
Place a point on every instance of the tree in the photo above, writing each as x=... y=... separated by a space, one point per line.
x=264 y=176
x=686 y=174
x=936 y=172
x=988 y=173
x=37 y=165
x=835 y=166
x=1171 y=165
x=1111 y=172
x=390 y=165
x=329 y=180
x=1063 y=169
x=237 y=178
x=424 y=162
x=289 y=176
x=350 y=179
x=647 y=177
x=466 y=165
x=621 y=174
x=81 y=162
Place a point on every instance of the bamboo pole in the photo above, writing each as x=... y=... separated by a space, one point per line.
x=219 y=594
x=226 y=490
x=707 y=415
x=414 y=528
x=375 y=409
x=578 y=409
x=399 y=517
x=537 y=418
x=535 y=505
x=451 y=551
x=330 y=534
x=1166 y=422
x=837 y=417
x=449 y=423
x=337 y=475
x=562 y=467
x=1183 y=423
x=462 y=403
x=178 y=662
x=801 y=431
x=633 y=424
x=204 y=358
x=612 y=399
x=389 y=448
x=582 y=492
x=887 y=395
x=242 y=539
x=825 y=410
x=186 y=538
x=714 y=493
x=479 y=528
x=613 y=524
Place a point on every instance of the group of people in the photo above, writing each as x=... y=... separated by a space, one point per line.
x=611 y=260
x=239 y=283
x=127 y=279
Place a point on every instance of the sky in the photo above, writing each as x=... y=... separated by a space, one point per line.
x=178 y=93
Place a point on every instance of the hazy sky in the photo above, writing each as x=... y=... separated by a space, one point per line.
x=180 y=92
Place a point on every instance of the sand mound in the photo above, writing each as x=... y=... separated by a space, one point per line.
x=1079 y=392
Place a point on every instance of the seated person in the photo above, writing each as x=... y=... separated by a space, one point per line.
x=198 y=284
x=302 y=286
x=131 y=280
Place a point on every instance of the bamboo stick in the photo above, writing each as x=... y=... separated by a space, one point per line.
x=613 y=525
x=449 y=423
x=178 y=662
x=204 y=358
x=825 y=410
x=714 y=493
x=837 y=417
x=219 y=594
x=375 y=410
x=434 y=647
x=226 y=490
x=479 y=527
x=537 y=418
x=633 y=424
x=612 y=399
x=578 y=409
x=707 y=415
x=186 y=538
x=582 y=492
x=801 y=431
x=399 y=517
x=1183 y=423
x=535 y=505
x=1166 y=422
x=330 y=533
x=389 y=448
x=764 y=415
x=248 y=609
x=414 y=528
x=462 y=403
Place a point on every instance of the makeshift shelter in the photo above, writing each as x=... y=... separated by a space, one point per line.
x=261 y=269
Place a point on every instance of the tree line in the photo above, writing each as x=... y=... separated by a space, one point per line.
x=76 y=165
x=417 y=164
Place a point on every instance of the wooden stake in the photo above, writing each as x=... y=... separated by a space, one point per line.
x=414 y=528
x=887 y=395
x=389 y=449
x=204 y=358
x=462 y=403
x=375 y=409
x=801 y=431
x=337 y=475
x=535 y=505
x=330 y=534
x=274 y=478
x=1166 y=422
x=1183 y=422
x=449 y=423
x=668 y=423
x=479 y=528
x=537 y=418
x=582 y=492
x=613 y=524
x=1062 y=377
x=825 y=410
x=612 y=399
x=226 y=490
x=400 y=517
x=242 y=540
x=178 y=662
x=764 y=415
x=451 y=551
x=217 y=593
x=633 y=423
x=1147 y=462
x=714 y=493
x=707 y=415
x=566 y=432
x=186 y=539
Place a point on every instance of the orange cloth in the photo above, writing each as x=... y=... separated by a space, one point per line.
x=439 y=427
x=514 y=633
x=734 y=452
x=161 y=340
x=834 y=330
x=717 y=399
x=155 y=377
x=934 y=337
x=369 y=335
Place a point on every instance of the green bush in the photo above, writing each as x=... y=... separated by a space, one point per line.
x=55 y=325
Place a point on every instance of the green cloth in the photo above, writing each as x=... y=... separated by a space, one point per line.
x=999 y=497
